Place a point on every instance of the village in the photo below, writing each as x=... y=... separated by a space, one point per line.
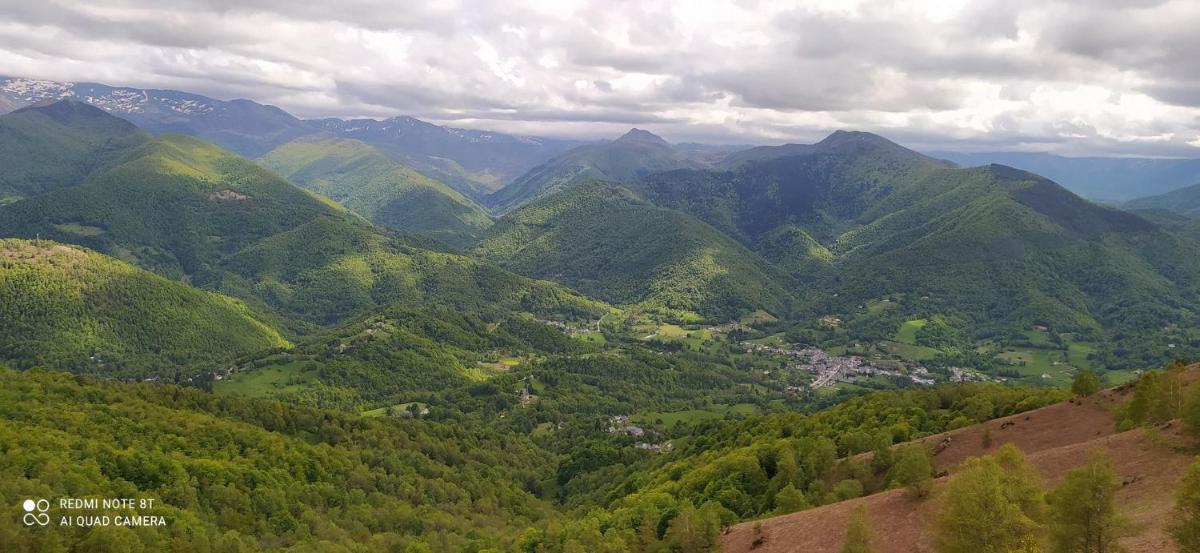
x=829 y=370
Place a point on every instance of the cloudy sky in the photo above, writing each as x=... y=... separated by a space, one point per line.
x=1070 y=76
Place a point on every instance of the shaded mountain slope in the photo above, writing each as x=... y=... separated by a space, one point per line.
x=192 y=211
x=829 y=187
x=633 y=155
x=1184 y=201
x=473 y=162
x=604 y=241
x=51 y=146
x=387 y=193
x=1001 y=248
x=1109 y=179
x=64 y=307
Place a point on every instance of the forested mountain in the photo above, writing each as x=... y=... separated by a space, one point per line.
x=191 y=211
x=635 y=154
x=473 y=162
x=384 y=191
x=1108 y=179
x=999 y=247
x=602 y=240
x=64 y=307
x=243 y=126
x=50 y=146
x=1184 y=201
x=234 y=475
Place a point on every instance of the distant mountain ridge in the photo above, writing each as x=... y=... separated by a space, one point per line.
x=473 y=162
x=635 y=154
x=862 y=217
x=386 y=192
x=243 y=126
x=1183 y=201
x=1107 y=179
x=603 y=240
x=194 y=212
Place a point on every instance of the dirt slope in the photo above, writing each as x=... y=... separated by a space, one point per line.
x=1055 y=438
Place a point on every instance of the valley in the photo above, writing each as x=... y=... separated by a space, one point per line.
x=370 y=335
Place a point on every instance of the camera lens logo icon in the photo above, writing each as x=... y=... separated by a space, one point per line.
x=35 y=512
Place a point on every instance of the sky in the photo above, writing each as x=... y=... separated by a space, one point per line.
x=1076 y=77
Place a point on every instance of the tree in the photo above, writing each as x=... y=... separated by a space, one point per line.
x=695 y=530
x=913 y=469
x=994 y=505
x=1185 y=519
x=1082 y=516
x=858 y=532
x=790 y=500
x=1086 y=383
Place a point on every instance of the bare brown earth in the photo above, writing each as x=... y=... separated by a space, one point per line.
x=1055 y=438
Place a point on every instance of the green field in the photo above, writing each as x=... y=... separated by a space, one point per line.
x=382 y=411
x=268 y=381
x=909 y=351
x=908 y=331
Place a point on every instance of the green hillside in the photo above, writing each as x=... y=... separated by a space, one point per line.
x=635 y=154
x=51 y=146
x=387 y=193
x=235 y=475
x=194 y=212
x=828 y=188
x=396 y=353
x=64 y=307
x=999 y=249
x=1184 y=201
x=1007 y=249
x=604 y=241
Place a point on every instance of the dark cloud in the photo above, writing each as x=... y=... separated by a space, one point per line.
x=1073 y=76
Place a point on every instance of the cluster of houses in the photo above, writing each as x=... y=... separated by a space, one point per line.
x=620 y=424
x=828 y=369
x=572 y=329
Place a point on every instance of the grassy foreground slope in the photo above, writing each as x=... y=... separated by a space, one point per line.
x=606 y=242
x=47 y=147
x=387 y=193
x=233 y=475
x=68 y=308
x=1148 y=463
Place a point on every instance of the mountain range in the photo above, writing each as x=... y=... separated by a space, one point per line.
x=368 y=182
x=641 y=344
x=637 y=153
x=197 y=213
x=473 y=162
x=1105 y=179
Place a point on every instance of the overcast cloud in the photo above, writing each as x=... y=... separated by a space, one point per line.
x=1070 y=76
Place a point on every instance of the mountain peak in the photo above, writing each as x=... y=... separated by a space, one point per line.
x=855 y=138
x=67 y=111
x=639 y=135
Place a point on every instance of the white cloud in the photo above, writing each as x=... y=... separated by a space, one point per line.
x=1076 y=76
